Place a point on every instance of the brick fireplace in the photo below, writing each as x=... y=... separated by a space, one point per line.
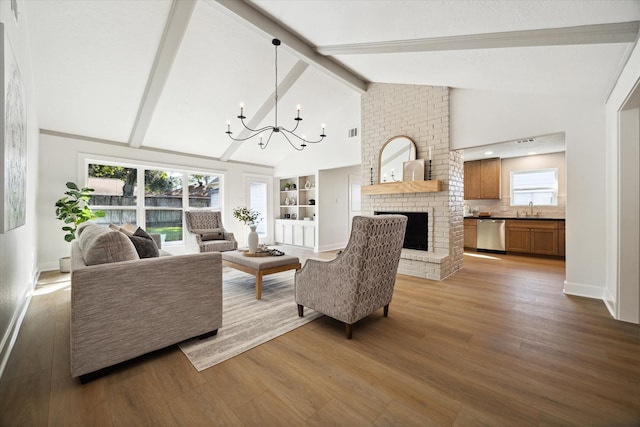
x=422 y=114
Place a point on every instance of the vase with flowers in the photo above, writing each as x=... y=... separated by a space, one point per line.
x=251 y=218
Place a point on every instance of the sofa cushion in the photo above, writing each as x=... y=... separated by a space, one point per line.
x=213 y=234
x=144 y=244
x=100 y=245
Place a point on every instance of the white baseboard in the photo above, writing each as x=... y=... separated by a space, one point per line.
x=11 y=334
x=333 y=247
x=48 y=266
x=587 y=291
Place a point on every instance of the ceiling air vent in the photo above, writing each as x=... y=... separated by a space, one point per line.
x=524 y=141
x=353 y=132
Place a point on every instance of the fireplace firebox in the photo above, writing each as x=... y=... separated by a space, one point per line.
x=417 y=234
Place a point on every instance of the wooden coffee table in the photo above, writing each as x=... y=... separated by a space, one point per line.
x=260 y=266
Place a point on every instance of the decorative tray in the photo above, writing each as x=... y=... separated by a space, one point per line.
x=257 y=254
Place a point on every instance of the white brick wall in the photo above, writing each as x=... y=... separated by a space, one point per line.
x=421 y=113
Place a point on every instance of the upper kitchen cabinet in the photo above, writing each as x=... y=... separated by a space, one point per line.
x=482 y=179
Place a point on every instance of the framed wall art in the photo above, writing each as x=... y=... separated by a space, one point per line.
x=13 y=144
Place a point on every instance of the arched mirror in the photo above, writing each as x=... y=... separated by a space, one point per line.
x=393 y=154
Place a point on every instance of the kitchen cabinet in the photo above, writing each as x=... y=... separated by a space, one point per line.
x=533 y=237
x=561 y=238
x=482 y=179
x=470 y=233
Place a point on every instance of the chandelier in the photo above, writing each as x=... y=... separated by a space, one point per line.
x=289 y=135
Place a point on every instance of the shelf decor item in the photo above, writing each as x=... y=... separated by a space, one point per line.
x=413 y=170
x=249 y=217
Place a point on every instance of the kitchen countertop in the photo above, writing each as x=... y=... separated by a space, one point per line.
x=516 y=218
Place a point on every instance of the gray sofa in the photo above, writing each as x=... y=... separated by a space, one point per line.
x=123 y=306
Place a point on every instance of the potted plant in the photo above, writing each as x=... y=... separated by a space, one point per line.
x=73 y=210
x=249 y=217
x=287 y=186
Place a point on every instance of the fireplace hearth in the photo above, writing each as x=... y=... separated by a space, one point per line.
x=417 y=234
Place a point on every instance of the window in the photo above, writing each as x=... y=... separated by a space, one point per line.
x=204 y=191
x=537 y=186
x=163 y=203
x=115 y=193
x=258 y=202
x=161 y=208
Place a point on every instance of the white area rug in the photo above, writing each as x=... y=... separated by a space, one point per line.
x=247 y=322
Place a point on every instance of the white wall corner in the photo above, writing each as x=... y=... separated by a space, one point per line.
x=610 y=302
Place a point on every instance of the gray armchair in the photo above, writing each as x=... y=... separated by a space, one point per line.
x=361 y=279
x=209 y=233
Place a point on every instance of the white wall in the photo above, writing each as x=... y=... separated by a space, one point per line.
x=333 y=207
x=617 y=237
x=480 y=117
x=18 y=261
x=336 y=151
x=628 y=216
x=60 y=156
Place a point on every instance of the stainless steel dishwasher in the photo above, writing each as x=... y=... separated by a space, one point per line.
x=490 y=235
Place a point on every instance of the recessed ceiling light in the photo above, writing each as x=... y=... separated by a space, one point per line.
x=531 y=153
x=488 y=153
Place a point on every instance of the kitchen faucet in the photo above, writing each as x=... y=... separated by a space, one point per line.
x=530 y=208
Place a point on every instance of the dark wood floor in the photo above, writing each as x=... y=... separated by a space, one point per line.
x=497 y=344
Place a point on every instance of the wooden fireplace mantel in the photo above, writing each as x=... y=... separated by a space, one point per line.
x=430 y=186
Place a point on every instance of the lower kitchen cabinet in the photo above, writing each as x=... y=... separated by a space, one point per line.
x=561 y=238
x=534 y=237
x=470 y=233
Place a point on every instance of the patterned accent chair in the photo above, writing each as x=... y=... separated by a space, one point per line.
x=361 y=278
x=209 y=233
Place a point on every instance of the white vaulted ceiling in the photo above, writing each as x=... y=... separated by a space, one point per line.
x=169 y=75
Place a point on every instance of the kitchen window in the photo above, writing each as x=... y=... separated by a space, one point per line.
x=539 y=187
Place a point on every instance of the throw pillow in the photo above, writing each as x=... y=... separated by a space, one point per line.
x=144 y=244
x=128 y=229
x=214 y=234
